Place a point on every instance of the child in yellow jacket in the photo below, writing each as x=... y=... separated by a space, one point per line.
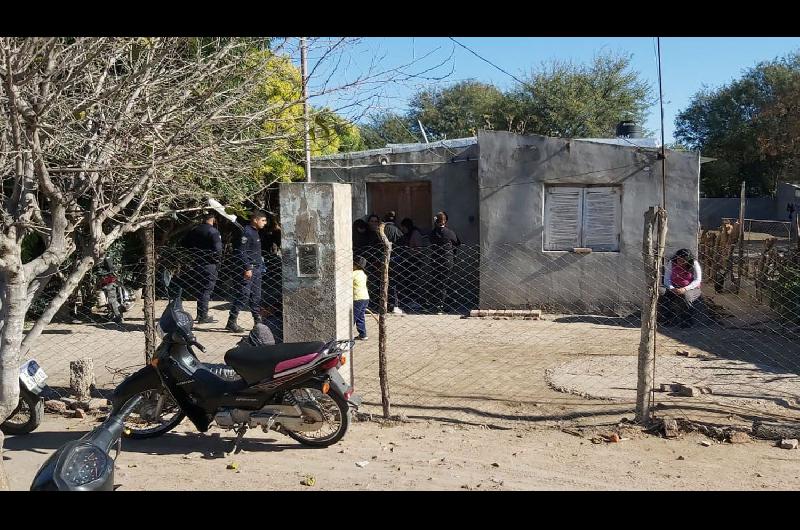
x=360 y=296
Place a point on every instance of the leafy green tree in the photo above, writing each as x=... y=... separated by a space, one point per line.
x=457 y=111
x=568 y=100
x=559 y=99
x=389 y=128
x=280 y=89
x=749 y=126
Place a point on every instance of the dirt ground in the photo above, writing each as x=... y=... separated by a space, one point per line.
x=425 y=456
x=563 y=369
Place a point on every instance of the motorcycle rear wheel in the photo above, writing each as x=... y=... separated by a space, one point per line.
x=27 y=416
x=141 y=424
x=334 y=409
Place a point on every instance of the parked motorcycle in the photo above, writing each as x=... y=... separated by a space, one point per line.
x=30 y=411
x=118 y=298
x=85 y=464
x=292 y=388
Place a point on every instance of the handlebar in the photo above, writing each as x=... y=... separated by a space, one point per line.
x=105 y=438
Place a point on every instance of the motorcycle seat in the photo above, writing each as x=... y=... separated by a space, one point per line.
x=257 y=363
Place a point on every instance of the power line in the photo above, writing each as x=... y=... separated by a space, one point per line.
x=515 y=78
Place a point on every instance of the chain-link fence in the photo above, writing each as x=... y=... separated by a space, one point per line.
x=515 y=335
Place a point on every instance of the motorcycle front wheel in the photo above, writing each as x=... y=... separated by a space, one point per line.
x=333 y=409
x=27 y=416
x=155 y=415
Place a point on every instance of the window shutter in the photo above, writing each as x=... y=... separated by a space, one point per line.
x=601 y=219
x=562 y=218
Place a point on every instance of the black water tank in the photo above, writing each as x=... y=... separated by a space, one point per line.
x=628 y=129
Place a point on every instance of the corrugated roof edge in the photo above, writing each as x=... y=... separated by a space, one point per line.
x=400 y=148
x=647 y=143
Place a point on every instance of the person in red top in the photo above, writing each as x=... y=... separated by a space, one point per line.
x=682 y=278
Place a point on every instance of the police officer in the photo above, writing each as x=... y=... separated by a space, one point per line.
x=250 y=262
x=206 y=242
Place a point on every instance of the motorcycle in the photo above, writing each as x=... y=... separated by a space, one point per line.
x=30 y=411
x=292 y=388
x=85 y=464
x=118 y=298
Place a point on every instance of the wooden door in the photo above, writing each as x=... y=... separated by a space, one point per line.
x=407 y=199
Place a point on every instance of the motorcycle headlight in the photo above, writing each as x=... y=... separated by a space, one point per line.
x=85 y=464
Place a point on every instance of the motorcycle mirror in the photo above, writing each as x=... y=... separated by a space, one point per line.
x=166 y=277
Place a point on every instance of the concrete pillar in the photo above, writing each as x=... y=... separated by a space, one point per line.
x=317 y=262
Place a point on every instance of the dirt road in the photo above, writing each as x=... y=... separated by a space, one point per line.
x=425 y=456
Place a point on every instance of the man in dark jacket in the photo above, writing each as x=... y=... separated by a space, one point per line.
x=443 y=242
x=206 y=244
x=390 y=228
x=249 y=263
x=395 y=237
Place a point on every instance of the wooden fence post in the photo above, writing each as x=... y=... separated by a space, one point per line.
x=740 y=268
x=382 y=361
x=652 y=256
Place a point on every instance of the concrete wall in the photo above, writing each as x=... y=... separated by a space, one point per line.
x=317 y=308
x=713 y=209
x=452 y=172
x=516 y=272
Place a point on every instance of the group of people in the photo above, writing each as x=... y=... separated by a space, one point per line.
x=682 y=273
x=206 y=240
x=405 y=263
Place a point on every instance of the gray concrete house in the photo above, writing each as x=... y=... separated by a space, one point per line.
x=555 y=223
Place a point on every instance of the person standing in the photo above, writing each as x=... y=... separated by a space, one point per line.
x=250 y=264
x=411 y=259
x=206 y=243
x=360 y=296
x=360 y=235
x=444 y=242
x=395 y=237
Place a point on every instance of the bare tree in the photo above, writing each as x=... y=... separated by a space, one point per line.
x=100 y=137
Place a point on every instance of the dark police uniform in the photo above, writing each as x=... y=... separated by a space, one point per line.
x=248 y=255
x=206 y=242
x=443 y=242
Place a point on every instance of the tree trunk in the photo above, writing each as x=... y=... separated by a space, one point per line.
x=14 y=297
x=81 y=378
x=149 y=293
x=39 y=284
x=383 y=374
x=652 y=257
x=55 y=304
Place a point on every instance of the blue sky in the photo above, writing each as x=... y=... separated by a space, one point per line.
x=687 y=64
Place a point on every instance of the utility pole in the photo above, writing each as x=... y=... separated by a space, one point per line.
x=304 y=75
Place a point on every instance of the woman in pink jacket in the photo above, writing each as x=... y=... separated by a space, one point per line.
x=682 y=277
